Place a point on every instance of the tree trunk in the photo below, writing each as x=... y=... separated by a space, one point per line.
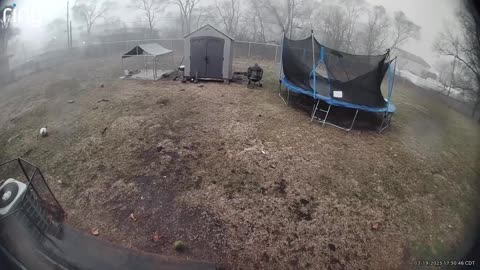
x=452 y=77
x=183 y=22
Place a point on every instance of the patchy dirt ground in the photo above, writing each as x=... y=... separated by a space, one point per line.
x=244 y=180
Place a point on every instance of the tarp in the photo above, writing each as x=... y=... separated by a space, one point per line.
x=336 y=77
x=152 y=49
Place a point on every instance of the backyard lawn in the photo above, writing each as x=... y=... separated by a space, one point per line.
x=243 y=179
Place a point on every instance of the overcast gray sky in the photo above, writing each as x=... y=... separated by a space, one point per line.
x=429 y=14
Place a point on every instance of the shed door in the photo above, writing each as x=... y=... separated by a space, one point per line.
x=206 y=57
x=215 y=57
x=197 y=56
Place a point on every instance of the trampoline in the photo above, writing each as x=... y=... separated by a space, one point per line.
x=338 y=79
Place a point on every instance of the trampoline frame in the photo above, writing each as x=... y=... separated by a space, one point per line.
x=386 y=113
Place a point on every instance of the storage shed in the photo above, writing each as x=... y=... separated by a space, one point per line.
x=208 y=54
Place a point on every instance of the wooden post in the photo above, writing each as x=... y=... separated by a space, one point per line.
x=249 y=48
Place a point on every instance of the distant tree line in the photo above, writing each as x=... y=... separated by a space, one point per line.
x=353 y=26
x=462 y=70
x=350 y=25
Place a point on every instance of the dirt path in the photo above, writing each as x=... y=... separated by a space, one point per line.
x=244 y=180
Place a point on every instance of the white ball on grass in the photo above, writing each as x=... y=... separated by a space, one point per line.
x=43 y=131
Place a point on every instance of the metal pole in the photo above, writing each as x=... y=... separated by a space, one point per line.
x=68 y=26
x=281 y=57
x=391 y=81
x=276 y=53
x=71 y=35
x=313 y=68
x=281 y=69
x=291 y=18
x=315 y=107
x=353 y=122
x=249 y=48
x=326 y=115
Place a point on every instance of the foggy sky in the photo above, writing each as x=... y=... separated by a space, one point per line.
x=429 y=14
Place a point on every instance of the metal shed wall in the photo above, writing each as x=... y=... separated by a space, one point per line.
x=209 y=31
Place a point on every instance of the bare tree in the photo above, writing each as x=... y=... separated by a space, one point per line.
x=149 y=9
x=376 y=31
x=280 y=12
x=89 y=11
x=464 y=47
x=229 y=13
x=56 y=32
x=57 y=27
x=287 y=16
x=257 y=22
x=332 y=24
x=186 y=7
x=354 y=9
x=251 y=24
x=447 y=75
x=403 y=30
x=283 y=13
x=203 y=15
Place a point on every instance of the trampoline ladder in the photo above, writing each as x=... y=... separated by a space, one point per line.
x=280 y=93
x=386 y=119
x=324 y=120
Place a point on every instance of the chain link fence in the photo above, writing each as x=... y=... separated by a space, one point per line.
x=243 y=50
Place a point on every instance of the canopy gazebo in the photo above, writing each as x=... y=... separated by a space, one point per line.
x=155 y=61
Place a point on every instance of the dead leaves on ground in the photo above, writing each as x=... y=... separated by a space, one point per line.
x=155 y=237
x=95 y=232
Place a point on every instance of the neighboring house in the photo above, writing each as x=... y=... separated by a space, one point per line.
x=414 y=64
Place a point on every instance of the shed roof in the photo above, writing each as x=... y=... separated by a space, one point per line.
x=208 y=25
x=152 y=49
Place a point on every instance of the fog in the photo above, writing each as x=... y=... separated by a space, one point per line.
x=37 y=33
x=431 y=15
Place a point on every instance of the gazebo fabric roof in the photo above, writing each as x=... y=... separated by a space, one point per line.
x=152 y=49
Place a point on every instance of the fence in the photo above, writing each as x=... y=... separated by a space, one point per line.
x=242 y=49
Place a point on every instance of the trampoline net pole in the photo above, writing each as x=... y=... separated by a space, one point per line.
x=391 y=77
x=281 y=56
x=313 y=68
x=155 y=67
x=281 y=71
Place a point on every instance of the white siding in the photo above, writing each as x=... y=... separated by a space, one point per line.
x=209 y=31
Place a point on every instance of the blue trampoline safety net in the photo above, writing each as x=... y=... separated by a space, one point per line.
x=336 y=77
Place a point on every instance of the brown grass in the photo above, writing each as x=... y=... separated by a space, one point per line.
x=241 y=178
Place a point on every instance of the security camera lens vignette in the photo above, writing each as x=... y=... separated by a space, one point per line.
x=229 y=134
